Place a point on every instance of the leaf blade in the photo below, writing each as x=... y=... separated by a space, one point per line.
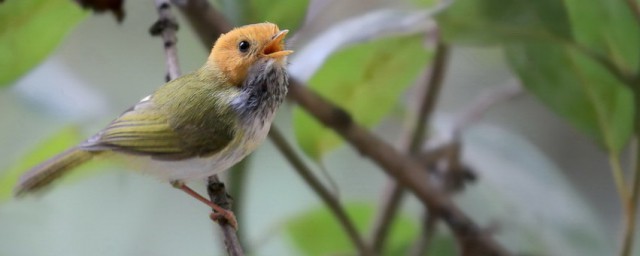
x=316 y=232
x=30 y=30
x=287 y=14
x=584 y=92
x=379 y=71
x=54 y=144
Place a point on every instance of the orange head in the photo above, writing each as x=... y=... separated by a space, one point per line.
x=235 y=52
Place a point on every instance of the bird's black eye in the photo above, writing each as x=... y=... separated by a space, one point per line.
x=243 y=46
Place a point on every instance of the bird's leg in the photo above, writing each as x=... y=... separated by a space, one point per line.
x=219 y=214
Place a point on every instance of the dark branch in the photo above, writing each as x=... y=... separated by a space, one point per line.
x=205 y=20
x=392 y=200
x=334 y=206
x=635 y=9
x=405 y=169
x=219 y=196
x=166 y=27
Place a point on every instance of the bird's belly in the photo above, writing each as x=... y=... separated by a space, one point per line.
x=202 y=167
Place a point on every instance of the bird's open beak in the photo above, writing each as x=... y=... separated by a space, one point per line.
x=275 y=48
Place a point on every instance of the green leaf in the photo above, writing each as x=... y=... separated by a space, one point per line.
x=609 y=28
x=365 y=79
x=577 y=88
x=425 y=3
x=55 y=144
x=30 y=30
x=287 y=14
x=546 y=42
x=497 y=21
x=317 y=232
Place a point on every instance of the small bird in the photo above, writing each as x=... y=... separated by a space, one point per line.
x=197 y=125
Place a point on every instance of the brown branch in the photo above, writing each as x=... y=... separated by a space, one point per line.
x=406 y=170
x=166 y=27
x=334 y=205
x=630 y=222
x=208 y=23
x=205 y=20
x=219 y=196
x=455 y=173
x=635 y=9
x=421 y=247
x=392 y=200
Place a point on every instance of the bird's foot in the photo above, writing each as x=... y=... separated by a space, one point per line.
x=219 y=212
x=227 y=216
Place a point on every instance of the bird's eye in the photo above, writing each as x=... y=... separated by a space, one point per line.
x=243 y=46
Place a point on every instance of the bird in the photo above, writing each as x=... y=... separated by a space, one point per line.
x=195 y=126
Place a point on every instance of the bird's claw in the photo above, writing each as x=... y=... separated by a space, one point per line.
x=227 y=216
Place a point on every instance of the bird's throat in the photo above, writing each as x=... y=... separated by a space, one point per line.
x=262 y=92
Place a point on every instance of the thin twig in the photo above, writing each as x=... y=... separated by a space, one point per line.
x=619 y=181
x=392 y=200
x=421 y=247
x=475 y=111
x=630 y=223
x=455 y=176
x=431 y=96
x=334 y=206
x=205 y=20
x=635 y=9
x=405 y=169
x=219 y=196
x=166 y=27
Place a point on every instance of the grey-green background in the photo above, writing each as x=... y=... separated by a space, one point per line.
x=102 y=67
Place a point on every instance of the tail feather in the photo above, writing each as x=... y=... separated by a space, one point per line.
x=45 y=173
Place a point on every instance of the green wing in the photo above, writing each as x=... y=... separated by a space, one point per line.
x=168 y=130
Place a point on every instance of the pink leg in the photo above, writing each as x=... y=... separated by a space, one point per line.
x=220 y=213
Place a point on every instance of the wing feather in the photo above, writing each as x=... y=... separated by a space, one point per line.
x=169 y=130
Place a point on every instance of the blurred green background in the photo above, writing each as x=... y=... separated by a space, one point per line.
x=542 y=182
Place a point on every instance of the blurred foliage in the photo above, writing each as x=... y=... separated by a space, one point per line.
x=316 y=232
x=522 y=191
x=378 y=73
x=608 y=28
x=564 y=53
x=486 y=22
x=49 y=147
x=578 y=88
x=30 y=30
x=287 y=14
x=425 y=3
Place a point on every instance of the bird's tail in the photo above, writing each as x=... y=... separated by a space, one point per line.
x=45 y=173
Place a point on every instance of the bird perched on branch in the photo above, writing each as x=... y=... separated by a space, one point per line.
x=194 y=126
